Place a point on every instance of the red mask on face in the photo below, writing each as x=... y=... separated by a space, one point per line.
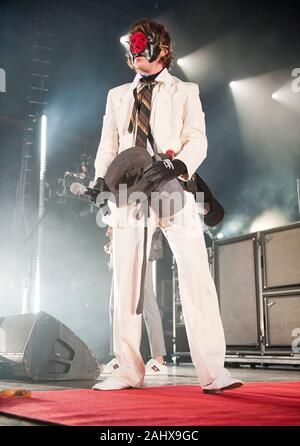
x=138 y=43
x=144 y=45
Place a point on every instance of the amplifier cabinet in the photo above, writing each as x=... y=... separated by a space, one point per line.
x=236 y=278
x=282 y=319
x=281 y=256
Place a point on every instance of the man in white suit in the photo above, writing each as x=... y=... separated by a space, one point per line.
x=176 y=124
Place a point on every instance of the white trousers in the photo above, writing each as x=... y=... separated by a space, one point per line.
x=197 y=291
x=151 y=315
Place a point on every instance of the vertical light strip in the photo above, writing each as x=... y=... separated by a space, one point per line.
x=298 y=193
x=43 y=153
x=25 y=295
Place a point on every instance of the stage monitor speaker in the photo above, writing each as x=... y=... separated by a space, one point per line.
x=237 y=287
x=40 y=347
x=281 y=254
x=282 y=320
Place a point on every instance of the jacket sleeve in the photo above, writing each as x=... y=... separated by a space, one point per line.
x=193 y=137
x=109 y=141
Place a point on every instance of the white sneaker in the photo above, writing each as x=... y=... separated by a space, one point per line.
x=223 y=383
x=110 y=367
x=154 y=368
x=111 y=383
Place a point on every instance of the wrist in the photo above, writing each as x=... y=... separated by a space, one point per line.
x=179 y=167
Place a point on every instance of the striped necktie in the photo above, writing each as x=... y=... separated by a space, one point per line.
x=141 y=112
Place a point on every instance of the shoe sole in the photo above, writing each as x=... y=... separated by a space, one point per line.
x=230 y=387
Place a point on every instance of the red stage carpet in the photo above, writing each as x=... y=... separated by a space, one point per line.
x=254 y=404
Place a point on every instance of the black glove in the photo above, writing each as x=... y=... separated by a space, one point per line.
x=165 y=170
x=100 y=186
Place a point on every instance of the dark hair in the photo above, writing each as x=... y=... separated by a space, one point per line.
x=147 y=27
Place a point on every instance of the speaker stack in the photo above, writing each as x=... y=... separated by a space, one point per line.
x=281 y=288
x=258 y=282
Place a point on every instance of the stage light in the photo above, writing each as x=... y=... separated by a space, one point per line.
x=298 y=193
x=239 y=87
x=204 y=66
x=254 y=102
x=220 y=235
x=41 y=212
x=43 y=146
x=287 y=96
x=2 y=81
x=269 y=219
x=124 y=40
x=25 y=295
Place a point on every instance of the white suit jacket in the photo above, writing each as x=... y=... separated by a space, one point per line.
x=177 y=122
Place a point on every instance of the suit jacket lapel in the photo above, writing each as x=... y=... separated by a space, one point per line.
x=124 y=109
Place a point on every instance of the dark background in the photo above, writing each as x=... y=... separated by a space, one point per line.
x=251 y=172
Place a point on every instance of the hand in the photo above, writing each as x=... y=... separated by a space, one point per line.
x=165 y=170
x=100 y=187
